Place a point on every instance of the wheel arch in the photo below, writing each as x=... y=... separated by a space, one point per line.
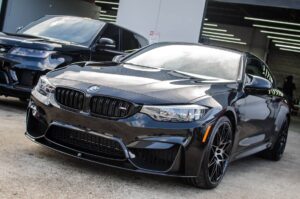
x=230 y=113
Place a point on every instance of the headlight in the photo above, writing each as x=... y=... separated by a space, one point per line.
x=26 y=52
x=179 y=113
x=44 y=87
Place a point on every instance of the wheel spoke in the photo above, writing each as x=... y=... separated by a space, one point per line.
x=219 y=153
x=217 y=172
x=226 y=156
x=220 y=170
x=214 y=171
x=226 y=145
x=212 y=162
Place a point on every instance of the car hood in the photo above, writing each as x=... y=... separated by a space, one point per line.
x=137 y=84
x=18 y=40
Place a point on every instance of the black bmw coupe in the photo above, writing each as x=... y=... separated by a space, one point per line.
x=174 y=109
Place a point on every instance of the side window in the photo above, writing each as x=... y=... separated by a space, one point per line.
x=130 y=42
x=143 y=42
x=112 y=32
x=254 y=67
x=267 y=74
x=258 y=68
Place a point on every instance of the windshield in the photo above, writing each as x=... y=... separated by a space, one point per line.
x=71 y=29
x=194 y=60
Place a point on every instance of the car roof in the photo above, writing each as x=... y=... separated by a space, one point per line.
x=205 y=45
x=74 y=17
x=98 y=20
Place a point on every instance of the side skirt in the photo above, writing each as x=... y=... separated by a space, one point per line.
x=252 y=151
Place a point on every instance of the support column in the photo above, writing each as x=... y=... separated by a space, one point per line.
x=163 y=20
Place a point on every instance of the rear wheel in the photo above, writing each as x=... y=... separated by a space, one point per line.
x=216 y=158
x=277 y=151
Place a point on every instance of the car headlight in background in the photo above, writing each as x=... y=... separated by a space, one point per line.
x=44 y=87
x=53 y=63
x=178 y=113
x=27 y=52
x=51 y=59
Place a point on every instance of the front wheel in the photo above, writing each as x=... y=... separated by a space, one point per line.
x=217 y=155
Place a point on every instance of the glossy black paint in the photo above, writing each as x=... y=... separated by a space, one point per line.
x=31 y=68
x=256 y=117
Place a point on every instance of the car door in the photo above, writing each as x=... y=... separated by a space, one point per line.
x=107 y=54
x=276 y=97
x=257 y=118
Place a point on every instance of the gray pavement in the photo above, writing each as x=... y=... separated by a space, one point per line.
x=28 y=170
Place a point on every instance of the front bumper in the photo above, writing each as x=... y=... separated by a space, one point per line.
x=15 y=91
x=17 y=77
x=146 y=146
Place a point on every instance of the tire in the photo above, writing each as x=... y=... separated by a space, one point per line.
x=277 y=151
x=216 y=157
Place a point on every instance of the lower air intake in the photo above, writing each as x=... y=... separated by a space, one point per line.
x=86 y=142
x=155 y=159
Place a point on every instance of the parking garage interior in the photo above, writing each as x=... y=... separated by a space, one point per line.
x=257 y=29
x=270 y=31
x=248 y=26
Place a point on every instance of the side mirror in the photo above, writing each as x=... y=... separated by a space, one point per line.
x=257 y=85
x=106 y=43
x=118 y=58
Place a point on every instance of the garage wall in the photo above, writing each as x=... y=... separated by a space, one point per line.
x=21 y=12
x=282 y=63
x=170 y=20
x=257 y=43
x=291 y=4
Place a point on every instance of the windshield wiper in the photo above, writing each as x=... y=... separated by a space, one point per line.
x=195 y=77
x=132 y=64
x=42 y=38
x=58 y=40
x=181 y=74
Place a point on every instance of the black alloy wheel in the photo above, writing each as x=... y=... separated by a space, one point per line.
x=283 y=139
x=219 y=153
x=217 y=156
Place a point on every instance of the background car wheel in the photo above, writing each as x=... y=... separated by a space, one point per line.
x=277 y=151
x=216 y=158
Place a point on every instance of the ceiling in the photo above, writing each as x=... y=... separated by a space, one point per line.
x=109 y=10
x=234 y=13
x=280 y=25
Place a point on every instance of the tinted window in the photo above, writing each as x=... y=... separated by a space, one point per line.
x=254 y=67
x=143 y=42
x=130 y=42
x=258 y=68
x=112 y=32
x=267 y=74
x=71 y=29
x=194 y=60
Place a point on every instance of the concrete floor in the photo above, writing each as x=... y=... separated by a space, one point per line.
x=28 y=170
